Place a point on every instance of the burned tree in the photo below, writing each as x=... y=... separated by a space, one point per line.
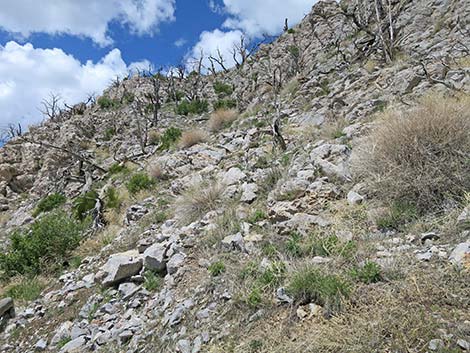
x=51 y=106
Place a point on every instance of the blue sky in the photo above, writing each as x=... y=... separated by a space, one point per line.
x=74 y=48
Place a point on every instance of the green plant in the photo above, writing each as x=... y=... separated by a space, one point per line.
x=257 y=216
x=225 y=104
x=128 y=98
x=151 y=281
x=169 y=137
x=63 y=341
x=49 y=203
x=272 y=275
x=330 y=246
x=192 y=107
x=117 y=168
x=309 y=285
x=109 y=133
x=83 y=204
x=216 y=268
x=397 y=215
x=27 y=290
x=294 y=51
x=222 y=89
x=75 y=261
x=419 y=156
x=112 y=198
x=293 y=245
x=254 y=298
x=291 y=31
x=107 y=103
x=138 y=182
x=370 y=272
x=43 y=247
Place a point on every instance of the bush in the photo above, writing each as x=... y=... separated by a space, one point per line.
x=397 y=215
x=27 y=289
x=44 y=246
x=171 y=135
x=370 y=272
x=112 y=198
x=225 y=104
x=151 y=281
x=49 y=203
x=254 y=298
x=107 y=103
x=197 y=200
x=139 y=182
x=117 y=168
x=222 y=89
x=420 y=156
x=192 y=137
x=83 y=204
x=309 y=285
x=222 y=118
x=192 y=107
x=216 y=268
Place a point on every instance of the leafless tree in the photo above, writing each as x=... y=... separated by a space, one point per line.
x=10 y=131
x=219 y=60
x=194 y=78
x=142 y=123
x=286 y=25
x=154 y=97
x=51 y=106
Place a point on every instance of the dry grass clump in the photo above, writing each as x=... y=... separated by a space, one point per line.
x=197 y=200
x=222 y=118
x=157 y=172
x=421 y=156
x=192 y=137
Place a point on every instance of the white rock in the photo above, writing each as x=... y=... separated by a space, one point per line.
x=175 y=263
x=248 y=192
x=354 y=198
x=460 y=254
x=121 y=266
x=233 y=176
x=154 y=257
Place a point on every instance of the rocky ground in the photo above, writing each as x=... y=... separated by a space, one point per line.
x=203 y=260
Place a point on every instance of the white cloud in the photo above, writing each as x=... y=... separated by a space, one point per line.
x=28 y=75
x=255 y=18
x=210 y=43
x=86 y=18
x=180 y=42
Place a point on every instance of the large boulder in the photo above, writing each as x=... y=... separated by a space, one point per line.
x=7 y=308
x=120 y=267
x=155 y=257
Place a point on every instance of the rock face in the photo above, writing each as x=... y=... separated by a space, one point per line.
x=120 y=267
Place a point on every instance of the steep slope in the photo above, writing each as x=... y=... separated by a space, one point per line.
x=235 y=244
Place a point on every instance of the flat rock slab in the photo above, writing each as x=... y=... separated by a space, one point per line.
x=7 y=307
x=121 y=266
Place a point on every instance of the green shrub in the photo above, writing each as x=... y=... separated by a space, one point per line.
x=107 y=103
x=176 y=97
x=49 y=203
x=112 y=198
x=128 y=98
x=254 y=298
x=330 y=246
x=27 y=290
x=294 y=51
x=370 y=272
x=397 y=216
x=222 y=89
x=216 y=268
x=83 y=204
x=138 y=182
x=117 y=168
x=272 y=276
x=225 y=104
x=192 y=107
x=170 y=137
x=151 y=281
x=43 y=247
x=293 y=245
x=257 y=216
x=291 y=31
x=109 y=133
x=309 y=285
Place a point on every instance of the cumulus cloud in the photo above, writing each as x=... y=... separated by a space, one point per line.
x=28 y=75
x=86 y=18
x=250 y=19
x=180 y=42
x=210 y=42
x=255 y=18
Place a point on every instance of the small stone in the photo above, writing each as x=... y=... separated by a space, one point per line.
x=121 y=266
x=282 y=296
x=354 y=198
x=460 y=256
x=248 y=192
x=175 y=263
x=436 y=344
x=41 y=345
x=233 y=176
x=7 y=308
x=183 y=346
x=197 y=345
x=74 y=345
x=426 y=256
x=234 y=241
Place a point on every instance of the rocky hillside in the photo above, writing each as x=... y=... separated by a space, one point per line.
x=314 y=199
